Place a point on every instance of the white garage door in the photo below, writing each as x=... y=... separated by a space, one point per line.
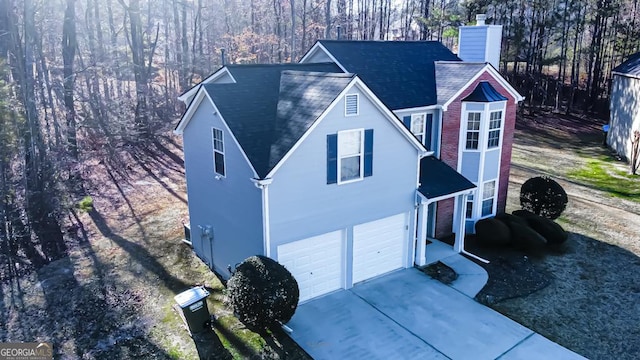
x=316 y=263
x=378 y=247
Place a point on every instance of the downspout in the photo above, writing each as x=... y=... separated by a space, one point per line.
x=263 y=184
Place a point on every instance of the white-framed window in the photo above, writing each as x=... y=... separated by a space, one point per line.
x=218 y=152
x=473 y=130
x=469 y=213
x=417 y=126
x=488 y=196
x=351 y=105
x=495 y=124
x=350 y=155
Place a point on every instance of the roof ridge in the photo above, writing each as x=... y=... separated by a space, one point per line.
x=317 y=73
x=458 y=62
x=278 y=64
x=383 y=41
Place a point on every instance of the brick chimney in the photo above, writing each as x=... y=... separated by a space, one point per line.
x=480 y=42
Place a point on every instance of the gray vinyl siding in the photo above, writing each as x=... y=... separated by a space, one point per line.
x=319 y=57
x=491 y=164
x=625 y=116
x=471 y=165
x=302 y=204
x=480 y=44
x=231 y=206
x=472 y=46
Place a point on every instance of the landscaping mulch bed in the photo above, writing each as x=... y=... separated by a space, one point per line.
x=511 y=274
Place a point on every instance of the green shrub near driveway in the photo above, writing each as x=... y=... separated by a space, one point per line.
x=522 y=236
x=262 y=293
x=492 y=232
x=549 y=229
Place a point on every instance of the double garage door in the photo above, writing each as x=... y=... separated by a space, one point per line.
x=320 y=264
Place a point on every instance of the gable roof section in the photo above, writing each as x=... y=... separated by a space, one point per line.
x=250 y=107
x=400 y=73
x=484 y=92
x=451 y=76
x=630 y=68
x=304 y=96
x=438 y=179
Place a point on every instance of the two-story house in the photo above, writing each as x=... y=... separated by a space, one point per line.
x=342 y=166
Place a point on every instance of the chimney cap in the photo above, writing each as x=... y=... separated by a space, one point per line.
x=480 y=19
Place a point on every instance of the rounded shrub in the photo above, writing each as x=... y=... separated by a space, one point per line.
x=543 y=196
x=262 y=293
x=549 y=229
x=523 y=214
x=522 y=236
x=492 y=232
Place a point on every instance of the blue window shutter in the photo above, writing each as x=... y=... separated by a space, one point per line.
x=407 y=122
x=428 y=130
x=368 y=152
x=332 y=158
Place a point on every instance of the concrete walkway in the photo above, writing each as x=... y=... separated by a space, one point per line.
x=408 y=315
x=471 y=276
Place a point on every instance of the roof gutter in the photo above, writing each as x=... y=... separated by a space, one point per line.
x=625 y=75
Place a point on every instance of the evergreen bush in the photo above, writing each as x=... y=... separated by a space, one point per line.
x=543 y=196
x=262 y=293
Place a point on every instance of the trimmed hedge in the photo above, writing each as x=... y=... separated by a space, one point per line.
x=543 y=196
x=522 y=235
x=549 y=229
x=262 y=293
x=492 y=232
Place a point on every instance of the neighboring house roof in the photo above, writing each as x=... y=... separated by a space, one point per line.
x=451 y=76
x=400 y=73
x=631 y=67
x=484 y=92
x=259 y=112
x=439 y=179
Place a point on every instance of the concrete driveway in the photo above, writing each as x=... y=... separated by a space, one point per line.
x=408 y=315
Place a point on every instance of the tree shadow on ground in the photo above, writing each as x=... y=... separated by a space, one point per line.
x=560 y=131
x=209 y=346
x=139 y=254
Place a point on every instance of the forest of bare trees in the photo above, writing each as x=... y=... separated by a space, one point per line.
x=85 y=79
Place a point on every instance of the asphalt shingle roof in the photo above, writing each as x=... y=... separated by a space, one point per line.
x=631 y=66
x=401 y=73
x=304 y=96
x=451 y=76
x=250 y=107
x=439 y=179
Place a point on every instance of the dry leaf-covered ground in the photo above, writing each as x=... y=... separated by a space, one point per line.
x=112 y=297
x=592 y=303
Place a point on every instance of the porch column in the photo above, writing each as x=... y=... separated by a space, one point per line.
x=459 y=220
x=421 y=246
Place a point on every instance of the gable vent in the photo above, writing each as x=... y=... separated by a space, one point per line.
x=351 y=105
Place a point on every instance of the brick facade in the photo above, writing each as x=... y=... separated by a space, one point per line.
x=449 y=149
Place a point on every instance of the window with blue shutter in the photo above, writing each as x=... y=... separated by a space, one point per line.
x=349 y=156
x=428 y=132
x=407 y=121
x=332 y=158
x=368 y=152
